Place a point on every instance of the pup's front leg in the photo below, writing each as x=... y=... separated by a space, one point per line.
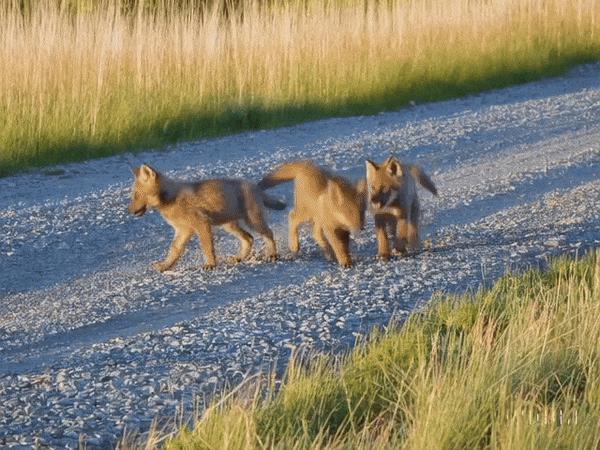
x=205 y=234
x=177 y=247
x=383 y=243
x=320 y=239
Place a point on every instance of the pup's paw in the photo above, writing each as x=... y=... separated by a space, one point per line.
x=235 y=259
x=208 y=267
x=385 y=257
x=346 y=264
x=272 y=258
x=160 y=266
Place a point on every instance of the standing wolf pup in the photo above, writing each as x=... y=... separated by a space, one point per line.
x=395 y=204
x=195 y=207
x=333 y=205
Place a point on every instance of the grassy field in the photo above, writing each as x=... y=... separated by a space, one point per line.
x=515 y=366
x=77 y=83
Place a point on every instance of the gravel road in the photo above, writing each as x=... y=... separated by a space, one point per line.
x=93 y=341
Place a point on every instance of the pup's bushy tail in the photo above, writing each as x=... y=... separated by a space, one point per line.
x=423 y=179
x=273 y=202
x=284 y=173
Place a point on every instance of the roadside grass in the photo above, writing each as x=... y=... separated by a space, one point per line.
x=513 y=366
x=78 y=83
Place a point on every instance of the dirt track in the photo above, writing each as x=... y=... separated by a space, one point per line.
x=91 y=339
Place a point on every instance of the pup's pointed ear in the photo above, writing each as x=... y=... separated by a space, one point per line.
x=147 y=173
x=393 y=167
x=135 y=171
x=371 y=168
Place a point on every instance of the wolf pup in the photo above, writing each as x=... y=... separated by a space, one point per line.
x=195 y=207
x=333 y=205
x=395 y=204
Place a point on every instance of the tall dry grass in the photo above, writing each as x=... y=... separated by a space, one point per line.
x=96 y=81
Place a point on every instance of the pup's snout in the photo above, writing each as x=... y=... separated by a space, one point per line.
x=137 y=211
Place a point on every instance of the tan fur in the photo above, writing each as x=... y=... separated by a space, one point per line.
x=329 y=202
x=195 y=207
x=395 y=204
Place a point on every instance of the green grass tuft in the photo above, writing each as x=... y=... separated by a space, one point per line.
x=514 y=366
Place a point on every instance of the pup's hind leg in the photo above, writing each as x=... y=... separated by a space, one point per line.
x=340 y=242
x=256 y=220
x=182 y=237
x=400 y=235
x=295 y=219
x=412 y=234
x=244 y=237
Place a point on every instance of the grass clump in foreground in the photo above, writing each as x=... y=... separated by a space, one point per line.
x=82 y=79
x=515 y=366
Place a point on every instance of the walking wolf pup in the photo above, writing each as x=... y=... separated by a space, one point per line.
x=333 y=205
x=395 y=204
x=195 y=207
